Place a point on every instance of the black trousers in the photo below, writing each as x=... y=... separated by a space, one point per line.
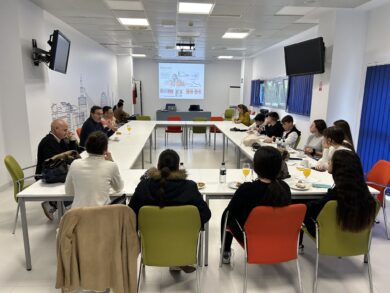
x=54 y=203
x=234 y=229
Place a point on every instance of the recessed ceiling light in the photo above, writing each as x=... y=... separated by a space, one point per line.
x=195 y=8
x=125 y=5
x=294 y=10
x=138 y=55
x=228 y=35
x=225 y=57
x=134 y=21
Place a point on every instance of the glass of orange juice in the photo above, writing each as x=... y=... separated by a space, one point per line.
x=306 y=172
x=246 y=169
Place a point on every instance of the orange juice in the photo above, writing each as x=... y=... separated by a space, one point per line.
x=306 y=172
x=246 y=171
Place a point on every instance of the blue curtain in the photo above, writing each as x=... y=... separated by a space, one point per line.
x=300 y=90
x=374 y=134
x=255 y=93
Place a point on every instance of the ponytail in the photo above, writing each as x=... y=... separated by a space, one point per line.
x=165 y=172
x=278 y=191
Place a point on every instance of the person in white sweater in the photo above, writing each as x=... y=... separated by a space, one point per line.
x=313 y=144
x=332 y=142
x=89 y=179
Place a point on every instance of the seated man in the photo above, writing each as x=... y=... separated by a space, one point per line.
x=258 y=126
x=59 y=140
x=273 y=127
x=291 y=133
x=94 y=123
x=89 y=179
x=120 y=115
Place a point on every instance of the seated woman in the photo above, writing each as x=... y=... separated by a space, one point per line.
x=313 y=144
x=244 y=116
x=348 y=141
x=356 y=207
x=108 y=119
x=168 y=186
x=90 y=179
x=267 y=190
x=332 y=142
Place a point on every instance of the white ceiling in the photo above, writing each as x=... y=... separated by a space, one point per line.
x=96 y=20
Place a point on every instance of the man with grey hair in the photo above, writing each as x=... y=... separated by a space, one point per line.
x=59 y=140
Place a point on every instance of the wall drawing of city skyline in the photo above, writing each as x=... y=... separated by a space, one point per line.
x=75 y=115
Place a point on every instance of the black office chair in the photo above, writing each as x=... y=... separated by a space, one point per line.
x=194 y=108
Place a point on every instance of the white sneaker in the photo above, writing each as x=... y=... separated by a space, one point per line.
x=48 y=210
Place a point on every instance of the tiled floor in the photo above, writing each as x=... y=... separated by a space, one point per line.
x=336 y=275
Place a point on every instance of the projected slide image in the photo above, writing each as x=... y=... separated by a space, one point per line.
x=181 y=81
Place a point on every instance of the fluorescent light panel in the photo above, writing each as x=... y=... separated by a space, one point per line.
x=195 y=8
x=134 y=21
x=228 y=35
x=225 y=57
x=138 y=55
x=294 y=10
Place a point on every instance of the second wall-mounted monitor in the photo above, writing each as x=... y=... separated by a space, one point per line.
x=305 y=58
x=181 y=81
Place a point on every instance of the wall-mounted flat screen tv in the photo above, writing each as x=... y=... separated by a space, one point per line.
x=305 y=58
x=59 y=53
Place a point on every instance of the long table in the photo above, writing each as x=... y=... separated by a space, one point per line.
x=129 y=145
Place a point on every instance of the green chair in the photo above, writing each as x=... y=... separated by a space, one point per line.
x=144 y=118
x=331 y=240
x=18 y=178
x=229 y=114
x=169 y=237
x=297 y=142
x=199 y=129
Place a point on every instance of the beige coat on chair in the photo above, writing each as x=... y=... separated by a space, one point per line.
x=97 y=248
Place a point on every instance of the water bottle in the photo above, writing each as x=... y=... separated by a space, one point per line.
x=222 y=173
x=181 y=166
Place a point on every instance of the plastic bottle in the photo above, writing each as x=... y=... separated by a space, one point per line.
x=222 y=173
x=181 y=166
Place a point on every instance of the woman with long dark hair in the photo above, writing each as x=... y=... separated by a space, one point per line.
x=348 y=141
x=332 y=142
x=243 y=116
x=168 y=186
x=266 y=190
x=356 y=208
x=313 y=144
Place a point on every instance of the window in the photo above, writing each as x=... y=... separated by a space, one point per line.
x=271 y=93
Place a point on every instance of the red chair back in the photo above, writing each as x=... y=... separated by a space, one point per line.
x=78 y=131
x=213 y=128
x=272 y=233
x=174 y=129
x=379 y=173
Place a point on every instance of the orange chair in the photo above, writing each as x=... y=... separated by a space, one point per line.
x=78 y=131
x=271 y=236
x=173 y=129
x=379 y=178
x=214 y=129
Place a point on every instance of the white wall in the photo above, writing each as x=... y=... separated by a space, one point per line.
x=28 y=92
x=219 y=76
x=125 y=78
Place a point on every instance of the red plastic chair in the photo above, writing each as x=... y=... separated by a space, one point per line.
x=173 y=129
x=271 y=236
x=78 y=131
x=214 y=129
x=379 y=178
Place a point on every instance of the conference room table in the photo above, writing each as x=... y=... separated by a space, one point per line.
x=127 y=145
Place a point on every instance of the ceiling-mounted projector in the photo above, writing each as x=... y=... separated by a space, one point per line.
x=184 y=53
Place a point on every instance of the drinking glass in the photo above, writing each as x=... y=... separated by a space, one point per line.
x=246 y=169
x=128 y=128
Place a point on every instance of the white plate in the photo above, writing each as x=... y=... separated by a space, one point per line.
x=233 y=185
x=299 y=188
x=308 y=180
